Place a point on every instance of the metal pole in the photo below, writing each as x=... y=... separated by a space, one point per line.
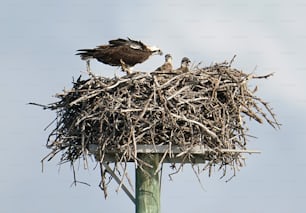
x=148 y=185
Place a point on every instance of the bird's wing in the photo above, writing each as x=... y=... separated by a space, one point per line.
x=138 y=45
x=118 y=42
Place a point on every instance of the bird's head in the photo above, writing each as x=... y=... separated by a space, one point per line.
x=185 y=62
x=155 y=50
x=168 y=58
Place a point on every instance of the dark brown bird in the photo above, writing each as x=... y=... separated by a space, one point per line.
x=185 y=63
x=167 y=66
x=120 y=52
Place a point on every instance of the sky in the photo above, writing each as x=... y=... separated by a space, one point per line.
x=38 y=43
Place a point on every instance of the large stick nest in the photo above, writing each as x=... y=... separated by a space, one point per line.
x=205 y=106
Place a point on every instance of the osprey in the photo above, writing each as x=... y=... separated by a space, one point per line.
x=120 y=52
x=167 y=66
x=184 y=65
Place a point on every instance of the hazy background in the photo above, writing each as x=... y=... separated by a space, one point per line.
x=38 y=43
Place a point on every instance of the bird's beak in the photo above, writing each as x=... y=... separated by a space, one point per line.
x=155 y=50
x=188 y=62
x=159 y=52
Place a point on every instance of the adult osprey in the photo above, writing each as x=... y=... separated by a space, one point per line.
x=184 y=65
x=167 y=66
x=120 y=52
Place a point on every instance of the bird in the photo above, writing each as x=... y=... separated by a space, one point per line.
x=184 y=65
x=124 y=53
x=167 y=66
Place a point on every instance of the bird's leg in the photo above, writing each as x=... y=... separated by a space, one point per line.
x=88 y=68
x=115 y=74
x=125 y=68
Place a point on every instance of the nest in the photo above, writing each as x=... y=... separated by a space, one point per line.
x=206 y=106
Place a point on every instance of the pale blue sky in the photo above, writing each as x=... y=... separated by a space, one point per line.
x=38 y=43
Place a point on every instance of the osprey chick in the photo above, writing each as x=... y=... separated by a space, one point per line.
x=184 y=65
x=167 y=66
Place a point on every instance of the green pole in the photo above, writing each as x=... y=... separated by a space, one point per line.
x=148 y=185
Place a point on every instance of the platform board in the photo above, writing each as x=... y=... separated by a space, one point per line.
x=171 y=154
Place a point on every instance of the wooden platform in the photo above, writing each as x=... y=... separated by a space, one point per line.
x=170 y=154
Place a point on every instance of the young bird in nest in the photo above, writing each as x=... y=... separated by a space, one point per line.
x=167 y=66
x=185 y=63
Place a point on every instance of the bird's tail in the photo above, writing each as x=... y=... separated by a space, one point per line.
x=86 y=54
